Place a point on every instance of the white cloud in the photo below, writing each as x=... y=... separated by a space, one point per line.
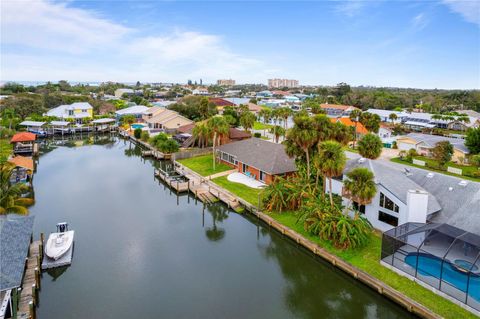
x=469 y=9
x=420 y=21
x=350 y=8
x=60 y=42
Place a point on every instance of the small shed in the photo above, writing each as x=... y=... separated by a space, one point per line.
x=35 y=127
x=104 y=124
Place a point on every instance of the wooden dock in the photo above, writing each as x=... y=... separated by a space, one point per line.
x=27 y=296
x=173 y=180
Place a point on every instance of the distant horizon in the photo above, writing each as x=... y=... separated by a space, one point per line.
x=72 y=82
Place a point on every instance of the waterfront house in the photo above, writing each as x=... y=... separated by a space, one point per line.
x=166 y=120
x=24 y=143
x=136 y=110
x=200 y=91
x=423 y=144
x=414 y=195
x=78 y=111
x=337 y=110
x=257 y=158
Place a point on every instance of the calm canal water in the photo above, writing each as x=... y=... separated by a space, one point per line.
x=143 y=252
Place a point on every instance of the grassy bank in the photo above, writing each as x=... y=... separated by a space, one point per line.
x=203 y=165
x=261 y=126
x=367 y=259
x=247 y=193
x=5 y=149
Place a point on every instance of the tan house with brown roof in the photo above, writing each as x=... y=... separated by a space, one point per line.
x=163 y=119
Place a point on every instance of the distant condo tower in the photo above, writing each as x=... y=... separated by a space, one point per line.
x=229 y=82
x=280 y=83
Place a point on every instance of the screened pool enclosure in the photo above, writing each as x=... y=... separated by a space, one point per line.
x=440 y=255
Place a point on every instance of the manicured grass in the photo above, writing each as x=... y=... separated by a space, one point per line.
x=247 y=193
x=203 y=165
x=429 y=161
x=368 y=260
x=261 y=126
x=5 y=149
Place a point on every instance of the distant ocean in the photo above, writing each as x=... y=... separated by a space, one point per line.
x=37 y=83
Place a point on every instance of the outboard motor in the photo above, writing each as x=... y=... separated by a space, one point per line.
x=62 y=227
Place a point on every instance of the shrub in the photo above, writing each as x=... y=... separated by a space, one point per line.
x=169 y=146
x=137 y=132
x=145 y=136
x=475 y=160
x=411 y=154
x=394 y=145
x=370 y=146
x=257 y=134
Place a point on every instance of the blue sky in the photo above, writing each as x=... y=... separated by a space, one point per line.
x=425 y=44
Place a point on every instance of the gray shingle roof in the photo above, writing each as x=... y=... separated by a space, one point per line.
x=264 y=155
x=431 y=140
x=395 y=180
x=14 y=243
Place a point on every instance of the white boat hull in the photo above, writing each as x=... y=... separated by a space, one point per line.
x=58 y=244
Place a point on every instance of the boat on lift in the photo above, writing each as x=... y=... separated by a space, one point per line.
x=60 y=242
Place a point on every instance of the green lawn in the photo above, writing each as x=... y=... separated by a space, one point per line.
x=203 y=165
x=367 y=259
x=247 y=193
x=431 y=162
x=5 y=149
x=261 y=126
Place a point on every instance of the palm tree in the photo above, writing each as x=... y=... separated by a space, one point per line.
x=275 y=195
x=129 y=119
x=218 y=127
x=304 y=135
x=11 y=200
x=201 y=133
x=9 y=114
x=266 y=115
x=355 y=117
x=278 y=131
x=247 y=120
x=393 y=117
x=285 y=113
x=370 y=146
x=360 y=185
x=332 y=161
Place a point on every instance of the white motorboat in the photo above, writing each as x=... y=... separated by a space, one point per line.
x=60 y=242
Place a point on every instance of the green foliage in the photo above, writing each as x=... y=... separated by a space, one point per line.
x=257 y=134
x=277 y=131
x=120 y=104
x=370 y=146
x=442 y=152
x=137 y=132
x=13 y=197
x=360 y=185
x=231 y=115
x=145 y=136
x=247 y=120
x=475 y=160
x=472 y=140
x=370 y=121
x=169 y=146
x=194 y=107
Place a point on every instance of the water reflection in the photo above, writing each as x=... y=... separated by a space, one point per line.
x=55 y=273
x=218 y=213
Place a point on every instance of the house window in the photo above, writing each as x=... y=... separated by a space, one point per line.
x=262 y=176
x=359 y=208
x=387 y=218
x=70 y=112
x=387 y=203
x=228 y=158
x=244 y=167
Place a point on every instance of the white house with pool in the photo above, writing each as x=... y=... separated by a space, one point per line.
x=431 y=225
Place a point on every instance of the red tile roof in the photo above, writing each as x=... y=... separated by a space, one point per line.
x=348 y=122
x=22 y=161
x=186 y=128
x=23 y=137
x=220 y=102
x=235 y=133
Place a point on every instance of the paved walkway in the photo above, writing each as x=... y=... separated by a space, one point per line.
x=221 y=174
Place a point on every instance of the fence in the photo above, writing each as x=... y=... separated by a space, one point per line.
x=191 y=153
x=454 y=170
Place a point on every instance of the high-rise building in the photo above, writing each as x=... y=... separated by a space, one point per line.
x=229 y=82
x=280 y=83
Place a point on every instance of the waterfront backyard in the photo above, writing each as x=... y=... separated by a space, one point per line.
x=143 y=252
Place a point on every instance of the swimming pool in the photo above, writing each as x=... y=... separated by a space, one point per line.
x=429 y=265
x=137 y=125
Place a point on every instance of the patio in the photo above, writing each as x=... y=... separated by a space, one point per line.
x=245 y=180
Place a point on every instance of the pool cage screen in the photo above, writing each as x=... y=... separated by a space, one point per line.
x=440 y=255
